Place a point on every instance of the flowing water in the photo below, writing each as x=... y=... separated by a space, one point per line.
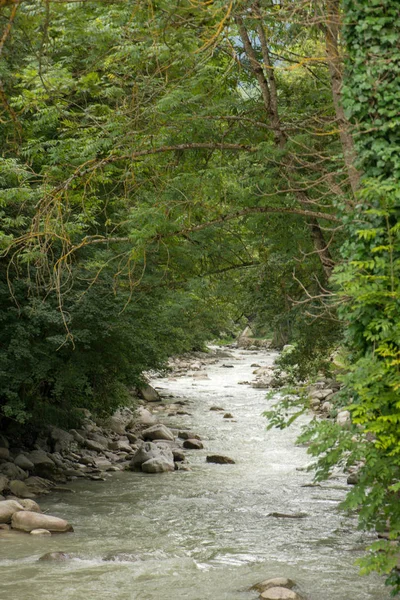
x=204 y=534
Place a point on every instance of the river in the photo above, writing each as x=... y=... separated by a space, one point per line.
x=203 y=534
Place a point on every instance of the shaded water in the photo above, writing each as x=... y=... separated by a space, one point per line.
x=203 y=534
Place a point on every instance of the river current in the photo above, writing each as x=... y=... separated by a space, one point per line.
x=203 y=534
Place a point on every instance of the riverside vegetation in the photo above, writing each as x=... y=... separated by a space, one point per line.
x=172 y=171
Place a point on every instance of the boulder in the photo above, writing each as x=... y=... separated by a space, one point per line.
x=158 y=432
x=3 y=483
x=158 y=465
x=219 y=459
x=23 y=462
x=62 y=441
x=179 y=455
x=120 y=445
x=12 y=471
x=44 y=466
x=29 y=520
x=144 y=417
x=149 y=451
x=132 y=438
x=20 y=489
x=228 y=416
x=148 y=393
x=279 y=593
x=216 y=408
x=96 y=446
x=265 y=585
x=29 y=504
x=4 y=453
x=7 y=509
x=41 y=532
x=193 y=445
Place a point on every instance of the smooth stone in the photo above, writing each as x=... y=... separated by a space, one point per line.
x=217 y=408
x=343 y=418
x=28 y=520
x=29 y=504
x=8 y=508
x=188 y=435
x=4 y=442
x=3 y=483
x=228 y=416
x=12 y=471
x=274 y=582
x=77 y=436
x=41 y=532
x=193 y=444
x=145 y=417
x=120 y=445
x=219 y=459
x=279 y=593
x=96 y=446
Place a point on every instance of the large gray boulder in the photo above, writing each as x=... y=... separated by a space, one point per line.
x=265 y=585
x=148 y=393
x=28 y=521
x=144 y=417
x=95 y=445
x=20 y=489
x=193 y=445
x=158 y=432
x=4 y=453
x=7 y=509
x=12 y=471
x=161 y=456
x=62 y=440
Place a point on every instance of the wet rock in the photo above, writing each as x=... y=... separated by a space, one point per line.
x=56 y=556
x=7 y=509
x=29 y=504
x=279 y=515
x=219 y=459
x=216 y=408
x=353 y=478
x=20 y=489
x=24 y=463
x=12 y=471
x=228 y=416
x=158 y=432
x=265 y=585
x=5 y=527
x=179 y=455
x=40 y=532
x=132 y=438
x=4 y=453
x=148 y=393
x=28 y=520
x=228 y=366
x=200 y=376
x=193 y=444
x=144 y=417
x=279 y=593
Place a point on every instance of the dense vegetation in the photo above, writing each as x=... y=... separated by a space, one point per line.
x=173 y=170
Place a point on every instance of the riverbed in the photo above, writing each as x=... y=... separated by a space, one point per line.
x=202 y=534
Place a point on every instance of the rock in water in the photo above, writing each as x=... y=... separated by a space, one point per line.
x=220 y=460
x=265 y=585
x=8 y=508
x=28 y=520
x=279 y=593
x=158 y=465
x=40 y=532
x=56 y=556
x=193 y=445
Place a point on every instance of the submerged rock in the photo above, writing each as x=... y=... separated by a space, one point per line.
x=219 y=459
x=265 y=585
x=57 y=556
x=279 y=593
x=279 y=515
